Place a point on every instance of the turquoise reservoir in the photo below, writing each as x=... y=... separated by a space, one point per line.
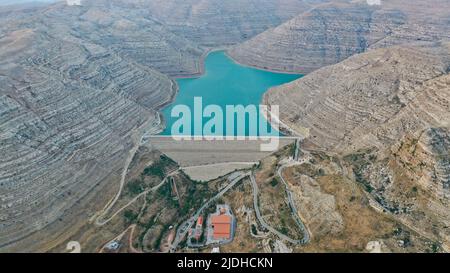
x=224 y=83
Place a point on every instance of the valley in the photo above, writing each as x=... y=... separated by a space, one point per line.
x=85 y=92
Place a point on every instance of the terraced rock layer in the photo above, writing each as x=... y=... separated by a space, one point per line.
x=330 y=33
x=369 y=99
x=75 y=84
x=66 y=119
x=387 y=111
x=410 y=181
x=129 y=32
x=215 y=23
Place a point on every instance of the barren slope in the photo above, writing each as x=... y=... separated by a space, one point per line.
x=369 y=99
x=75 y=82
x=387 y=111
x=218 y=23
x=330 y=33
x=66 y=118
x=129 y=32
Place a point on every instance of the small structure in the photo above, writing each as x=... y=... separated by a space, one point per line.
x=198 y=228
x=195 y=233
x=221 y=226
x=215 y=250
x=113 y=245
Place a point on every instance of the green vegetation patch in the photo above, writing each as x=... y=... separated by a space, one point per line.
x=361 y=161
x=135 y=187
x=158 y=168
x=130 y=216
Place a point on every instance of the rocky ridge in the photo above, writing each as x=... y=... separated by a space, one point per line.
x=369 y=99
x=213 y=23
x=67 y=115
x=387 y=113
x=332 y=32
x=76 y=83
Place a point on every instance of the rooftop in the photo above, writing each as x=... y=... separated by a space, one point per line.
x=221 y=225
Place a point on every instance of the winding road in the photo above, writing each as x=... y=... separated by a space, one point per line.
x=139 y=139
x=264 y=224
x=294 y=161
x=185 y=226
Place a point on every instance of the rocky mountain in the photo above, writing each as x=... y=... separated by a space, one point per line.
x=215 y=23
x=369 y=99
x=387 y=112
x=128 y=32
x=80 y=84
x=169 y=36
x=67 y=115
x=16 y=2
x=332 y=32
x=410 y=180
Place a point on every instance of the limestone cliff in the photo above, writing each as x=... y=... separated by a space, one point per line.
x=217 y=23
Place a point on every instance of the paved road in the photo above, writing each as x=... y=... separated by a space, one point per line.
x=101 y=222
x=187 y=225
x=294 y=211
x=282 y=236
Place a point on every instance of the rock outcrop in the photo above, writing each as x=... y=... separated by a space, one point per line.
x=316 y=208
x=330 y=33
x=387 y=113
x=215 y=23
x=371 y=99
x=129 y=32
x=428 y=156
x=67 y=114
x=76 y=83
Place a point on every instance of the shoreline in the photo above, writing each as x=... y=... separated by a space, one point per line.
x=176 y=88
x=263 y=68
x=202 y=71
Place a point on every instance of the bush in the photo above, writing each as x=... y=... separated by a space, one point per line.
x=130 y=216
x=274 y=182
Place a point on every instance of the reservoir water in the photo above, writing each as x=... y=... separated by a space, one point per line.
x=224 y=83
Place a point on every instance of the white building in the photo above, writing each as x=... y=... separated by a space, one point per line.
x=215 y=250
x=74 y=2
x=113 y=245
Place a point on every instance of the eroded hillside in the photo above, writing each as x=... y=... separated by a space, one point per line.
x=80 y=84
x=332 y=32
x=215 y=23
x=369 y=99
x=387 y=113
x=68 y=112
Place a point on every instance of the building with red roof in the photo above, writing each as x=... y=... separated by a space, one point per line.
x=221 y=225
